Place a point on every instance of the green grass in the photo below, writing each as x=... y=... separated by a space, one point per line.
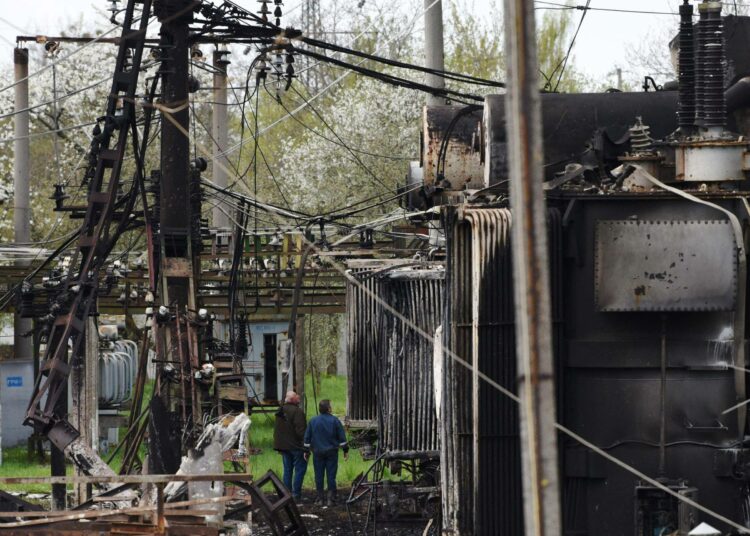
x=16 y=463
x=261 y=435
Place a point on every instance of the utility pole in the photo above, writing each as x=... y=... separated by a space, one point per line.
x=536 y=388
x=22 y=346
x=311 y=27
x=619 y=78
x=177 y=293
x=434 y=47
x=84 y=410
x=220 y=166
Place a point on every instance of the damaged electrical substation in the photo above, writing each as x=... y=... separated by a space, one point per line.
x=565 y=354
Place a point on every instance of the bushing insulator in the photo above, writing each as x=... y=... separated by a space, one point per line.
x=712 y=108
x=686 y=110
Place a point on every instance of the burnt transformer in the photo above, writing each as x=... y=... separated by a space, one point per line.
x=393 y=319
x=648 y=220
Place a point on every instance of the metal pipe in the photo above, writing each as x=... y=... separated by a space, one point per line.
x=220 y=173
x=531 y=274
x=663 y=401
x=22 y=346
x=434 y=47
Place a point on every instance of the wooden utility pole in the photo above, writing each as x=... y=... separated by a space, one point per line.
x=536 y=388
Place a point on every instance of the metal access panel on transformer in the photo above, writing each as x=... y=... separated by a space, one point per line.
x=665 y=265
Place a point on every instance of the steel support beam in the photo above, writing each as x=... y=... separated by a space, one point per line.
x=536 y=388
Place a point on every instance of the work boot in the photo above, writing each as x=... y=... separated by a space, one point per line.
x=331 y=500
x=320 y=500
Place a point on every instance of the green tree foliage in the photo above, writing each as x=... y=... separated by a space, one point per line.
x=352 y=144
x=477 y=46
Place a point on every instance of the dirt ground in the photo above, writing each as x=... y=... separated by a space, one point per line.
x=334 y=521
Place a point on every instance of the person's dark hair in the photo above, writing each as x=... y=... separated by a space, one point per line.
x=324 y=406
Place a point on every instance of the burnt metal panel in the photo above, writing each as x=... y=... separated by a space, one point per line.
x=480 y=435
x=610 y=382
x=463 y=166
x=673 y=265
x=457 y=448
x=407 y=419
x=362 y=313
x=569 y=122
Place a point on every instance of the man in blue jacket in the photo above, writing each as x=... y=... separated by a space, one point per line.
x=324 y=437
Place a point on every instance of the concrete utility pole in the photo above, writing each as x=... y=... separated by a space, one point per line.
x=84 y=410
x=312 y=27
x=22 y=346
x=536 y=387
x=434 y=47
x=220 y=168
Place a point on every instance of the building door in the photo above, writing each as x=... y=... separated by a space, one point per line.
x=270 y=366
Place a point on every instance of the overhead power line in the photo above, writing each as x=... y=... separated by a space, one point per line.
x=60 y=59
x=556 y=6
x=450 y=75
x=564 y=63
x=334 y=82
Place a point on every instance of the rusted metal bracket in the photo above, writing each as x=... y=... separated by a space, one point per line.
x=276 y=506
x=98 y=235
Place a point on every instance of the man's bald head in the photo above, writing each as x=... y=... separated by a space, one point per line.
x=291 y=397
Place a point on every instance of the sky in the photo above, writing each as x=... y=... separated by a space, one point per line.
x=601 y=45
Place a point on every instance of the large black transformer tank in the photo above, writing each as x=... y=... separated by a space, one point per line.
x=653 y=360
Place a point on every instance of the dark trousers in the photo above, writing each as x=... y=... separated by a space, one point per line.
x=326 y=464
x=295 y=468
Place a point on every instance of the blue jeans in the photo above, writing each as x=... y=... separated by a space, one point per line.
x=326 y=464
x=295 y=468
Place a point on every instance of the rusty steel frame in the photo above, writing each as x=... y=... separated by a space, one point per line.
x=97 y=239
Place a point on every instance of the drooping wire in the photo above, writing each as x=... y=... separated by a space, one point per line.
x=448 y=75
x=564 y=63
x=391 y=79
x=553 y=6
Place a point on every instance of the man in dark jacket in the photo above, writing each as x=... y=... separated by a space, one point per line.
x=324 y=437
x=288 y=435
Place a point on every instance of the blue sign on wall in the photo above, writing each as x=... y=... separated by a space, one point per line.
x=14 y=381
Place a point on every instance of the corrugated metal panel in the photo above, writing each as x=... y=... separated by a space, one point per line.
x=407 y=420
x=457 y=448
x=480 y=448
x=117 y=372
x=361 y=311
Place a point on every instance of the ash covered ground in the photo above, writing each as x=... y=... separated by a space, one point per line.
x=334 y=521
